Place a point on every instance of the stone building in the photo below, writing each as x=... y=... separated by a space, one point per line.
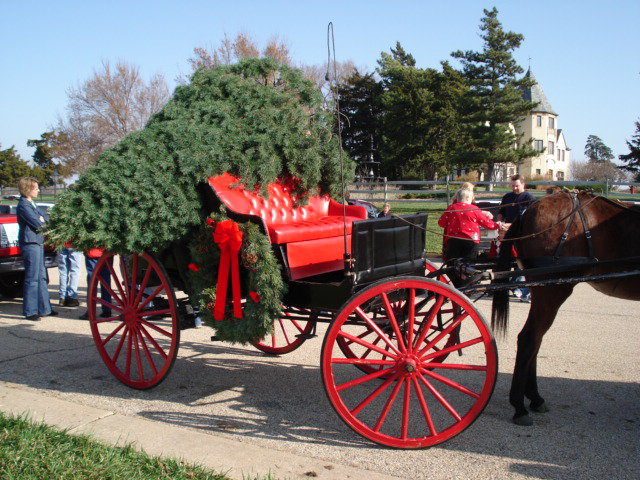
x=541 y=125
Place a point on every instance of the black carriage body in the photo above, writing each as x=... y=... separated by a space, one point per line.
x=380 y=248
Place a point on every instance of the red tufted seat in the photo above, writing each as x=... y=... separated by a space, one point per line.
x=313 y=234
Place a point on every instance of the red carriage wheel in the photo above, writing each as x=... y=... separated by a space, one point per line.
x=431 y=267
x=289 y=332
x=410 y=397
x=132 y=312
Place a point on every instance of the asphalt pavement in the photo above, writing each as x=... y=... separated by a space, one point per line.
x=235 y=409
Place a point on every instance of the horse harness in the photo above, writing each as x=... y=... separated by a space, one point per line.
x=587 y=233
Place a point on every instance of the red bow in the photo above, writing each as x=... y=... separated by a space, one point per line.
x=229 y=238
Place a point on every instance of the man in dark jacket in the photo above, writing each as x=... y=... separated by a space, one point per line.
x=35 y=301
x=514 y=204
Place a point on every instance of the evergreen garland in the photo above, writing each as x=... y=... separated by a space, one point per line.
x=255 y=119
x=261 y=276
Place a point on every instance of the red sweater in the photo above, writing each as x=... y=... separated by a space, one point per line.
x=464 y=220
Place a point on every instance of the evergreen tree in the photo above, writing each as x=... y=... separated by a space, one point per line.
x=43 y=156
x=421 y=123
x=360 y=104
x=495 y=103
x=632 y=159
x=12 y=167
x=596 y=151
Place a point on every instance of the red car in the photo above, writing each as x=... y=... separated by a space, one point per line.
x=11 y=263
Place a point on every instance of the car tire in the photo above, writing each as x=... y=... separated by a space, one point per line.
x=11 y=284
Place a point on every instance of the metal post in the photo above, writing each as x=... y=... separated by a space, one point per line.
x=385 y=189
x=447 y=189
x=606 y=194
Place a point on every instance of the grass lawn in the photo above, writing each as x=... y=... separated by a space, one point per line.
x=34 y=451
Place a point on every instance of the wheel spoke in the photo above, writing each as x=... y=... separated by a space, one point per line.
x=444 y=332
x=284 y=331
x=153 y=341
x=364 y=379
x=125 y=280
x=426 y=326
x=116 y=354
x=297 y=325
x=393 y=321
x=412 y=316
x=405 y=407
x=116 y=330
x=148 y=313
x=156 y=328
x=150 y=297
x=452 y=348
x=423 y=406
x=137 y=350
x=147 y=354
x=104 y=283
x=457 y=366
x=128 y=360
x=119 y=286
x=108 y=319
x=364 y=343
x=450 y=383
x=387 y=406
x=104 y=303
x=361 y=361
x=440 y=398
x=143 y=285
x=134 y=276
x=374 y=394
x=377 y=329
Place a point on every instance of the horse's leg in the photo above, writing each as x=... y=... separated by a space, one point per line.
x=545 y=302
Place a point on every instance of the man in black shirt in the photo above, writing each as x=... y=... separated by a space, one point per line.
x=514 y=204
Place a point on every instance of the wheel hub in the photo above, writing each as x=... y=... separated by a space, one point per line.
x=410 y=365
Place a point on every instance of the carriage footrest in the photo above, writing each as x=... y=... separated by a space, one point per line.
x=306 y=336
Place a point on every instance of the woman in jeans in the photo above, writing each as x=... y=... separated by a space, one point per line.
x=35 y=300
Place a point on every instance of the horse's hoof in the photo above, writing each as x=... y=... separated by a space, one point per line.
x=542 y=408
x=523 y=420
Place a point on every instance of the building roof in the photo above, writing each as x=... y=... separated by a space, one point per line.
x=536 y=95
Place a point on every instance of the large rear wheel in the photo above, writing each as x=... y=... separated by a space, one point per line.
x=402 y=393
x=133 y=317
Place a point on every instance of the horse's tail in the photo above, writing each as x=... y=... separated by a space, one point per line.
x=500 y=305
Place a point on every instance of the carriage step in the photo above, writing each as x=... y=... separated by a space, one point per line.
x=306 y=336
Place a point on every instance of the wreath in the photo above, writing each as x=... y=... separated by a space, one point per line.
x=261 y=281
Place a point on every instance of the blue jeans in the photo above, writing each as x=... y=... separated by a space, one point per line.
x=35 y=299
x=69 y=270
x=90 y=264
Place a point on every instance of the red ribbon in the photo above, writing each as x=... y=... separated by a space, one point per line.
x=229 y=238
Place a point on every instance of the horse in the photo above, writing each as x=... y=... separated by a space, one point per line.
x=563 y=229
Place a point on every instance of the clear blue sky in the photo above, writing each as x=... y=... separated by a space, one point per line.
x=585 y=54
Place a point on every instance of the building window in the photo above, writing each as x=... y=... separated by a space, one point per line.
x=550 y=149
x=559 y=158
x=563 y=155
x=539 y=121
x=538 y=145
x=538 y=171
x=561 y=176
x=552 y=122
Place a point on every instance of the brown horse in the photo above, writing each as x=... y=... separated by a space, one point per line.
x=615 y=232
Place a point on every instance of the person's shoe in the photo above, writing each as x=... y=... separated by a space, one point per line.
x=84 y=316
x=52 y=314
x=62 y=302
x=33 y=318
x=105 y=314
x=71 y=302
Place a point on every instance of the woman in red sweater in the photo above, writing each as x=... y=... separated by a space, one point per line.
x=461 y=222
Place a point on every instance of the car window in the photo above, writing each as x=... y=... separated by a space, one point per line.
x=8 y=235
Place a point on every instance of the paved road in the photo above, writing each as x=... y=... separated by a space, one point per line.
x=589 y=368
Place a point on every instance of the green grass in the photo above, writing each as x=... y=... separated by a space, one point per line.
x=35 y=451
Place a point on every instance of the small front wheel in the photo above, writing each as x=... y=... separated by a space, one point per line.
x=133 y=317
x=289 y=331
x=401 y=392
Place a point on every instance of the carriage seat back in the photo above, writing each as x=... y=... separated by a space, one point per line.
x=312 y=234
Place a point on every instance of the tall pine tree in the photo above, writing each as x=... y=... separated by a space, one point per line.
x=421 y=122
x=495 y=103
x=632 y=159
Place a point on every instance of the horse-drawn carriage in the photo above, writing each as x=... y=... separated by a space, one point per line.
x=392 y=358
